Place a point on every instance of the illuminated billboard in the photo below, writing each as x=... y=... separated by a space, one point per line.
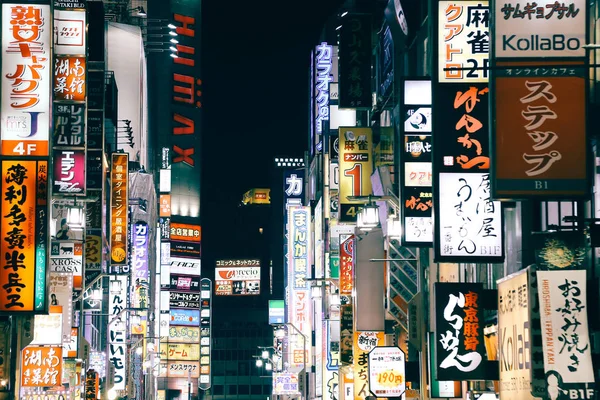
x=237 y=281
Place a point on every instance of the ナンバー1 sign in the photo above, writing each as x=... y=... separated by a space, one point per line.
x=387 y=377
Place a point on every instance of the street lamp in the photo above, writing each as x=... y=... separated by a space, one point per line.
x=368 y=217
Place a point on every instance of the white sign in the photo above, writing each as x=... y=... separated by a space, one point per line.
x=25 y=81
x=565 y=334
x=60 y=288
x=48 y=329
x=69 y=32
x=334 y=176
x=237 y=273
x=285 y=383
x=387 y=376
x=548 y=29
x=418 y=229
x=417 y=174
x=464 y=41
x=470 y=222
x=186 y=266
x=117 y=347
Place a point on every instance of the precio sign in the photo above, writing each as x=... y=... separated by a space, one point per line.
x=546 y=29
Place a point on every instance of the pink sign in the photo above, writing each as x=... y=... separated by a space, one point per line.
x=69 y=172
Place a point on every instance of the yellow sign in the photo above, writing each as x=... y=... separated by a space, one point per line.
x=179 y=351
x=257 y=196
x=364 y=342
x=184 y=334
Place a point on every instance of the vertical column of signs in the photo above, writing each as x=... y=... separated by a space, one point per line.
x=468 y=224
x=416 y=181
x=94 y=170
x=24 y=132
x=118 y=289
x=539 y=140
x=164 y=254
x=69 y=107
x=356 y=167
x=205 y=381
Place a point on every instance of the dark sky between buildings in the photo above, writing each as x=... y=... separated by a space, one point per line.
x=256 y=56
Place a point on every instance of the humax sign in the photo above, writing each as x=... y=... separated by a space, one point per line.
x=544 y=29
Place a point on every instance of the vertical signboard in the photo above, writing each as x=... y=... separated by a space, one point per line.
x=69 y=78
x=69 y=172
x=205 y=381
x=565 y=332
x=24 y=230
x=69 y=30
x=298 y=289
x=468 y=224
x=323 y=76
x=355 y=62
x=387 y=371
x=26 y=79
x=356 y=167
x=385 y=72
x=119 y=210
x=416 y=204
x=140 y=278
x=540 y=133
x=117 y=346
x=364 y=342
x=459 y=324
x=514 y=336
x=347 y=265
x=464 y=41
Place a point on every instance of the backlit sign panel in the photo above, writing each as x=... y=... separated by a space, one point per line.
x=237 y=281
x=464 y=41
x=544 y=28
x=69 y=32
x=69 y=78
x=69 y=172
x=26 y=79
x=23 y=228
x=117 y=346
x=119 y=210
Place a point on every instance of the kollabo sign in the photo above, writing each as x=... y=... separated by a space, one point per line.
x=544 y=28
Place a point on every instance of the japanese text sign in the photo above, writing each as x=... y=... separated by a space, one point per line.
x=464 y=41
x=26 y=79
x=237 y=281
x=184 y=334
x=356 y=167
x=69 y=171
x=416 y=157
x=185 y=232
x=285 y=383
x=543 y=28
x=119 y=198
x=117 y=346
x=139 y=274
x=69 y=125
x=323 y=75
x=355 y=62
x=24 y=242
x=459 y=338
x=470 y=223
x=540 y=135
x=41 y=366
x=514 y=336
x=205 y=342
x=347 y=265
x=69 y=32
x=462 y=117
x=387 y=376
x=92 y=385
x=180 y=369
x=69 y=78
x=180 y=351
x=565 y=332
x=364 y=342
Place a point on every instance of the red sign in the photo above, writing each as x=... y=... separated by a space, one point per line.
x=347 y=266
x=69 y=78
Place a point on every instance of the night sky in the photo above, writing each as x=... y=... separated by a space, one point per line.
x=256 y=56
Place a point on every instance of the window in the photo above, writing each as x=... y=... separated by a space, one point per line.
x=256 y=389
x=218 y=389
x=267 y=389
x=233 y=389
x=243 y=389
x=243 y=368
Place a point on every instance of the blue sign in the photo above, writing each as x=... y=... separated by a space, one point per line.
x=184 y=317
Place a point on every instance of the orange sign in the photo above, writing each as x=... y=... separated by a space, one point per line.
x=540 y=137
x=119 y=197
x=69 y=78
x=41 y=366
x=165 y=205
x=185 y=232
x=23 y=276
